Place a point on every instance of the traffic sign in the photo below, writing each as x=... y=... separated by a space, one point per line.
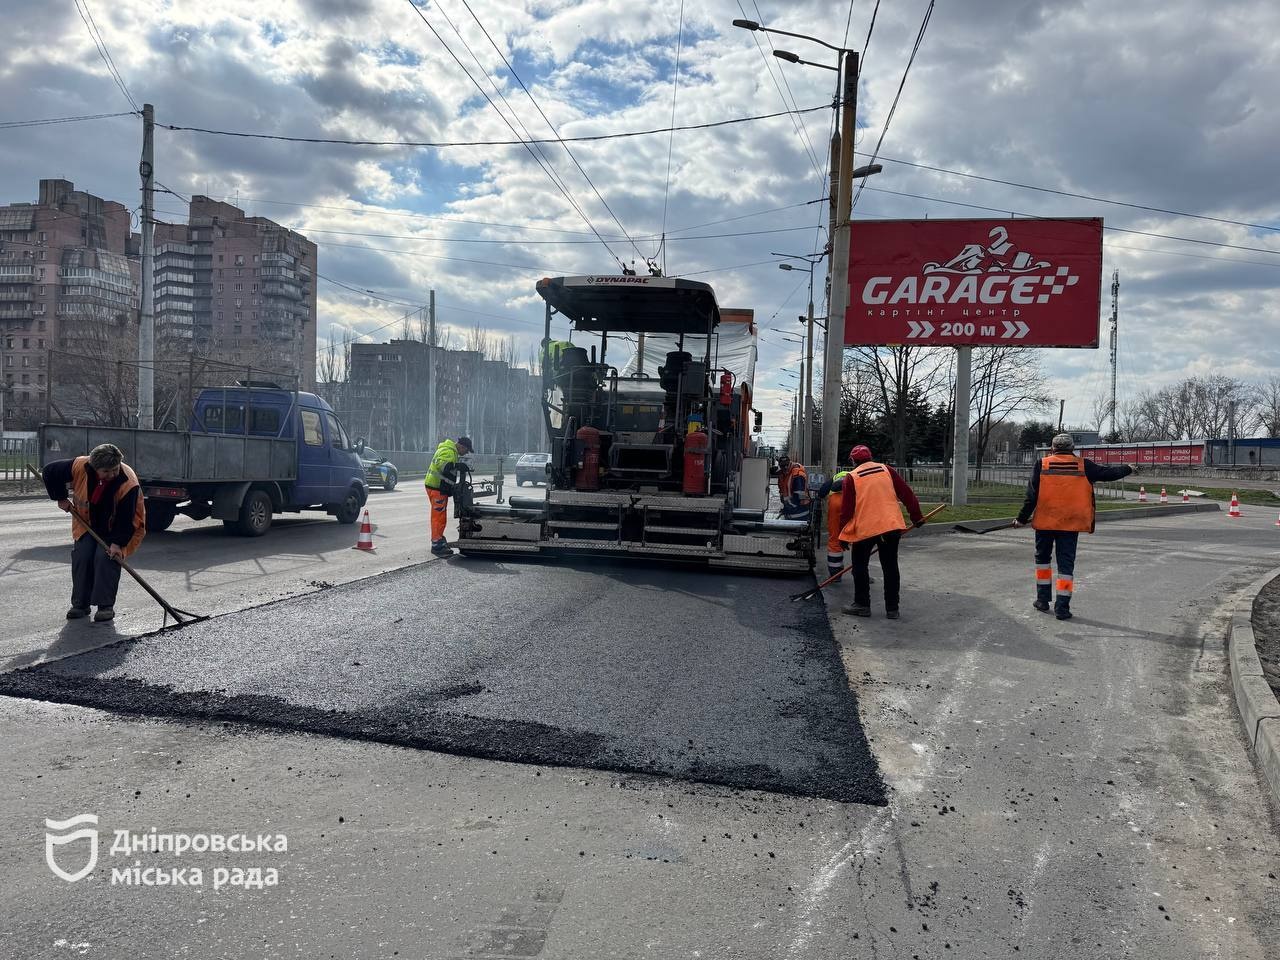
x=1016 y=282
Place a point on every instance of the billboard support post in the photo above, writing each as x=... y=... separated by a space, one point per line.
x=960 y=440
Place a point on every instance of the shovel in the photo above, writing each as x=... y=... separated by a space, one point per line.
x=831 y=579
x=169 y=611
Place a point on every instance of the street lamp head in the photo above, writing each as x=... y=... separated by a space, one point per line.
x=785 y=266
x=787 y=55
x=746 y=24
x=867 y=171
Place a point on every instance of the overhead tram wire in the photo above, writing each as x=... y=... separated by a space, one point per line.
x=893 y=107
x=671 y=142
x=91 y=25
x=819 y=166
x=793 y=113
x=870 y=29
x=572 y=203
x=551 y=126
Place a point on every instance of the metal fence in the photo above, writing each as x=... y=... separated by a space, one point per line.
x=15 y=454
x=987 y=483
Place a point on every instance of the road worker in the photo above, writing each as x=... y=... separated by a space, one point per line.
x=793 y=488
x=1060 y=506
x=871 y=519
x=104 y=491
x=441 y=477
x=831 y=491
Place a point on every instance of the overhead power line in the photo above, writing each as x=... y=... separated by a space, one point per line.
x=91 y=25
x=442 y=144
x=893 y=107
x=14 y=124
x=1079 y=196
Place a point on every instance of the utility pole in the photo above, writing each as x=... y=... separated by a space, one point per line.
x=808 y=380
x=832 y=363
x=960 y=437
x=146 y=317
x=1115 y=342
x=1062 y=409
x=433 y=438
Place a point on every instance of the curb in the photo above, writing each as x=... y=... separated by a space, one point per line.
x=1129 y=513
x=1257 y=703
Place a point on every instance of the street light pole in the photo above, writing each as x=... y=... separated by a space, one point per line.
x=806 y=439
x=833 y=365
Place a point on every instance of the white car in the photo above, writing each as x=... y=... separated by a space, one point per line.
x=532 y=468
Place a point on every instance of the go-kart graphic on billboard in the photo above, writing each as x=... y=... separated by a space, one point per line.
x=1006 y=283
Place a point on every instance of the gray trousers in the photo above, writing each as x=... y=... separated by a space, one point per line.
x=95 y=577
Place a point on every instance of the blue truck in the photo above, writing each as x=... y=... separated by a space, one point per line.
x=253 y=450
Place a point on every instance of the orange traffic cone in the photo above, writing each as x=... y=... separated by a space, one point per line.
x=364 y=541
x=1235 y=506
x=1142 y=494
x=1185 y=498
x=1164 y=497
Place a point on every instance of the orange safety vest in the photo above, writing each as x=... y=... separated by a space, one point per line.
x=80 y=497
x=875 y=504
x=784 y=480
x=834 y=500
x=1066 y=495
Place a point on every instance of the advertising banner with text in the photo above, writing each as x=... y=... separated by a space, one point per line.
x=1013 y=282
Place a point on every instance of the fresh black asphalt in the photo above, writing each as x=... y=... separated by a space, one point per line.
x=668 y=672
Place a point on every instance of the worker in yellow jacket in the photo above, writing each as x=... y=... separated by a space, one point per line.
x=1060 y=506
x=440 y=480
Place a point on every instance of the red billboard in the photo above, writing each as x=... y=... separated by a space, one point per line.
x=968 y=282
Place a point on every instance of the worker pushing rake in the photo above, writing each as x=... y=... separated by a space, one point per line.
x=871 y=521
x=108 y=521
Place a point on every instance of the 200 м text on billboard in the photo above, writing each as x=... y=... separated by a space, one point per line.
x=968 y=282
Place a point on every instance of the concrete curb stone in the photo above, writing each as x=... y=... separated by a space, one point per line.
x=1257 y=703
x=1135 y=513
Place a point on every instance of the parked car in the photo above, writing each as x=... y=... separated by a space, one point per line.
x=378 y=470
x=532 y=468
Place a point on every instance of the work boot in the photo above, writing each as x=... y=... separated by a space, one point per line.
x=104 y=613
x=77 y=613
x=854 y=610
x=1062 y=608
x=892 y=615
x=441 y=548
x=1043 y=595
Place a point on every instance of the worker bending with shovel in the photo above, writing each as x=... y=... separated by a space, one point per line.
x=1060 y=506
x=441 y=478
x=102 y=489
x=871 y=519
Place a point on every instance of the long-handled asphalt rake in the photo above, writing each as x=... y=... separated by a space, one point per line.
x=961 y=528
x=181 y=618
x=808 y=594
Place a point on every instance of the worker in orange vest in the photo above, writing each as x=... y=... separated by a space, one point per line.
x=793 y=488
x=1060 y=506
x=870 y=518
x=831 y=490
x=104 y=491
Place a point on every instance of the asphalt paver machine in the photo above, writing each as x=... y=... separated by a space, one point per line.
x=644 y=462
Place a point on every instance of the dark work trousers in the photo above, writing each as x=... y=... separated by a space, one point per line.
x=1061 y=542
x=888 y=543
x=95 y=577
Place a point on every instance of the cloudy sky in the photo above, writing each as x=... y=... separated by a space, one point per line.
x=1162 y=103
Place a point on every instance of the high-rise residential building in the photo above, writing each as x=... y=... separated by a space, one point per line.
x=244 y=288
x=69 y=274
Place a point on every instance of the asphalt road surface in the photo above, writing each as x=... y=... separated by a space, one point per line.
x=1055 y=790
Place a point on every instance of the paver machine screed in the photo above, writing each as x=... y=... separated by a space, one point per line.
x=645 y=462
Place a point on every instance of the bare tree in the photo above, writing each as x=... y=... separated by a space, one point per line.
x=899 y=374
x=1006 y=381
x=1197 y=407
x=1267 y=402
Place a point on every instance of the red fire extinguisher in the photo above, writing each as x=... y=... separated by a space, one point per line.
x=695 y=463
x=588 y=475
x=726 y=388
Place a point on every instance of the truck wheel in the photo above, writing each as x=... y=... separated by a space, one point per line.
x=255 y=514
x=390 y=483
x=160 y=516
x=349 y=510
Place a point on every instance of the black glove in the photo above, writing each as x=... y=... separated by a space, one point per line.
x=919 y=523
